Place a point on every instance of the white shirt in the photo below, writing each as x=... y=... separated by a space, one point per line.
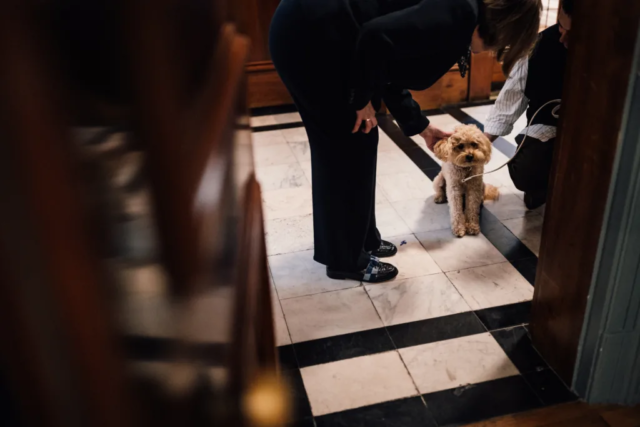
x=511 y=104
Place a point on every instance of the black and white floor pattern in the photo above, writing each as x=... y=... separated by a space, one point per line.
x=446 y=343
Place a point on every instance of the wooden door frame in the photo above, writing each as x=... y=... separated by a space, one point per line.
x=594 y=100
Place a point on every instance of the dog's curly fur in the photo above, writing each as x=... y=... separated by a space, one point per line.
x=464 y=154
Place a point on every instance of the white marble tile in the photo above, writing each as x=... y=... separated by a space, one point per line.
x=306 y=168
x=528 y=229
x=268 y=138
x=287 y=235
x=262 y=121
x=287 y=202
x=454 y=253
x=406 y=186
x=287 y=118
x=420 y=141
x=394 y=162
x=381 y=199
x=453 y=363
x=301 y=150
x=280 y=324
x=517 y=128
x=445 y=122
x=295 y=134
x=422 y=144
x=416 y=299
x=509 y=206
x=491 y=285
x=389 y=223
x=281 y=176
x=412 y=260
x=500 y=178
x=423 y=214
x=329 y=314
x=297 y=274
x=385 y=143
x=274 y=154
x=480 y=113
x=358 y=382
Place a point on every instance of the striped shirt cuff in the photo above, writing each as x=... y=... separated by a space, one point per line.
x=497 y=128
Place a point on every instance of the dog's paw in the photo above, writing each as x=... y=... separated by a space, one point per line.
x=440 y=199
x=459 y=230
x=473 y=229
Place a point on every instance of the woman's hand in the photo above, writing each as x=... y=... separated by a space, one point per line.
x=368 y=116
x=433 y=134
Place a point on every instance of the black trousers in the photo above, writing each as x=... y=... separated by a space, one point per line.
x=531 y=169
x=315 y=69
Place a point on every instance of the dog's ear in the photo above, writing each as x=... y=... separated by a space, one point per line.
x=442 y=149
x=486 y=147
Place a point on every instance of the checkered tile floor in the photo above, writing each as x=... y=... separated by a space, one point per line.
x=444 y=344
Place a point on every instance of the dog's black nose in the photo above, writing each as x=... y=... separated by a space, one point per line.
x=469 y=157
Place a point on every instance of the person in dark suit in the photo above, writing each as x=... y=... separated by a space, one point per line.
x=339 y=59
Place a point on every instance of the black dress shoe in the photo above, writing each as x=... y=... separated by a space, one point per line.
x=386 y=250
x=535 y=199
x=376 y=272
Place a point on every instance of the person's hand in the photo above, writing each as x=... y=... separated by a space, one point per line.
x=368 y=116
x=433 y=134
x=491 y=137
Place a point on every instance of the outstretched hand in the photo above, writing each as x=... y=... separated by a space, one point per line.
x=433 y=134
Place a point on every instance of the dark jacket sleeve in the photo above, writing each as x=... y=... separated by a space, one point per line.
x=405 y=110
x=409 y=33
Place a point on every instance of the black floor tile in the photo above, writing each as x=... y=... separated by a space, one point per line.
x=395 y=133
x=481 y=401
x=342 y=347
x=549 y=387
x=505 y=316
x=307 y=422
x=433 y=112
x=518 y=346
x=287 y=358
x=299 y=398
x=278 y=126
x=504 y=146
x=421 y=159
x=432 y=172
x=527 y=267
x=267 y=111
x=462 y=117
x=400 y=413
x=502 y=238
x=437 y=329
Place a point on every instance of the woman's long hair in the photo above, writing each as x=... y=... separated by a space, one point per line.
x=510 y=27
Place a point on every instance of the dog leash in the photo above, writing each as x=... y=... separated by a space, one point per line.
x=554 y=113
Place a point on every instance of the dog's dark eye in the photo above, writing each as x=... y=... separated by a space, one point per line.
x=474 y=145
x=460 y=147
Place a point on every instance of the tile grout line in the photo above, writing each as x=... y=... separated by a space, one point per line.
x=445 y=273
x=406 y=367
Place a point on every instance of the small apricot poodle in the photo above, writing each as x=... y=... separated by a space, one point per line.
x=464 y=154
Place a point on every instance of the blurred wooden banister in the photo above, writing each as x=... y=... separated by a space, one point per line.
x=194 y=141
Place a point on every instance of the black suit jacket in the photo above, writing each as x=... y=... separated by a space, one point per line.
x=399 y=45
